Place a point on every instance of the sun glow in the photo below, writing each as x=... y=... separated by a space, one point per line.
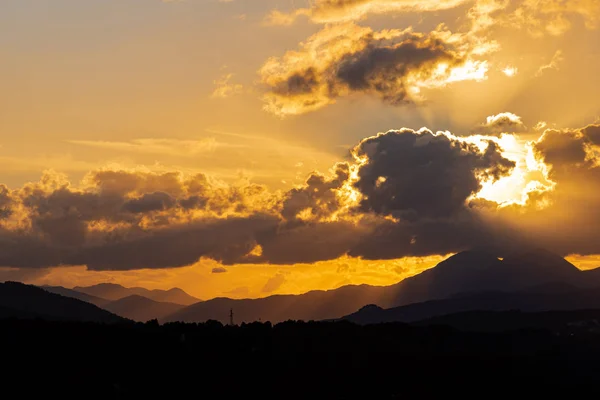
x=529 y=175
x=510 y=71
x=445 y=74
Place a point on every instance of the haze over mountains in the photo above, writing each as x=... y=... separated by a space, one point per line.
x=531 y=280
x=466 y=272
x=139 y=308
x=136 y=303
x=111 y=291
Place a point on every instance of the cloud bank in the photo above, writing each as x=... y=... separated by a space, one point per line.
x=403 y=193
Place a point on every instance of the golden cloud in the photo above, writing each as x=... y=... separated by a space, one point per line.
x=328 y=11
x=393 y=65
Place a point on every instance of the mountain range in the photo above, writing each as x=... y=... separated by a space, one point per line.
x=529 y=280
x=463 y=273
x=22 y=301
x=111 y=291
x=136 y=303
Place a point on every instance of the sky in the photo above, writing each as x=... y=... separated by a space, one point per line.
x=245 y=148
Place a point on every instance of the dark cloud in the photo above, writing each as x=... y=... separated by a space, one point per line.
x=129 y=220
x=219 y=270
x=227 y=240
x=22 y=274
x=344 y=59
x=380 y=67
x=309 y=242
x=318 y=196
x=415 y=175
x=157 y=201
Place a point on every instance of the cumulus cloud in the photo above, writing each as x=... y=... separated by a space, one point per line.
x=129 y=219
x=399 y=162
x=505 y=122
x=538 y=17
x=318 y=198
x=554 y=17
x=340 y=60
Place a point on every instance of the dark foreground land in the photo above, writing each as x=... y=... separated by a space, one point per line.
x=292 y=360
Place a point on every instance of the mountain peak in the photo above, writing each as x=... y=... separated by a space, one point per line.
x=469 y=259
x=536 y=257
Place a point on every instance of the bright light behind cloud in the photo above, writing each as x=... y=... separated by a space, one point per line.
x=528 y=175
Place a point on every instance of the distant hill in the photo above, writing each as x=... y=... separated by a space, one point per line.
x=535 y=301
x=469 y=271
x=142 y=309
x=18 y=300
x=502 y=321
x=111 y=291
x=100 y=302
x=315 y=305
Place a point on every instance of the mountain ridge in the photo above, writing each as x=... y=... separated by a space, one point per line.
x=468 y=271
x=113 y=292
x=19 y=300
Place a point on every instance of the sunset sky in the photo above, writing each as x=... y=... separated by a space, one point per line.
x=244 y=148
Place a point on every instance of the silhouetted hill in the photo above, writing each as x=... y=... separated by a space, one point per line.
x=487 y=301
x=315 y=305
x=111 y=291
x=139 y=308
x=465 y=272
x=26 y=301
x=100 y=302
x=502 y=321
x=174 y=295
x=592 y=274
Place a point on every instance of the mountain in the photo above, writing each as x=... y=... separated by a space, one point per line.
x=26 y=301
x=142 y=309
x=315 y=305
x=533 y=300
x=98 y=301
x=466 y=272
x=111 y=291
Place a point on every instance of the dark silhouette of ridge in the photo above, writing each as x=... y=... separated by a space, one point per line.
x=142 y=309
x=112 y=292
x=504 y=321
x=473 y=271
x=531 y=301
x=18 y=300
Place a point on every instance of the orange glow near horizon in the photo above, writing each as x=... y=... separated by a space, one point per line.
x=249 y=281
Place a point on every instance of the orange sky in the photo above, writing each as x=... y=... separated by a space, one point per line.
x=123 y=120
